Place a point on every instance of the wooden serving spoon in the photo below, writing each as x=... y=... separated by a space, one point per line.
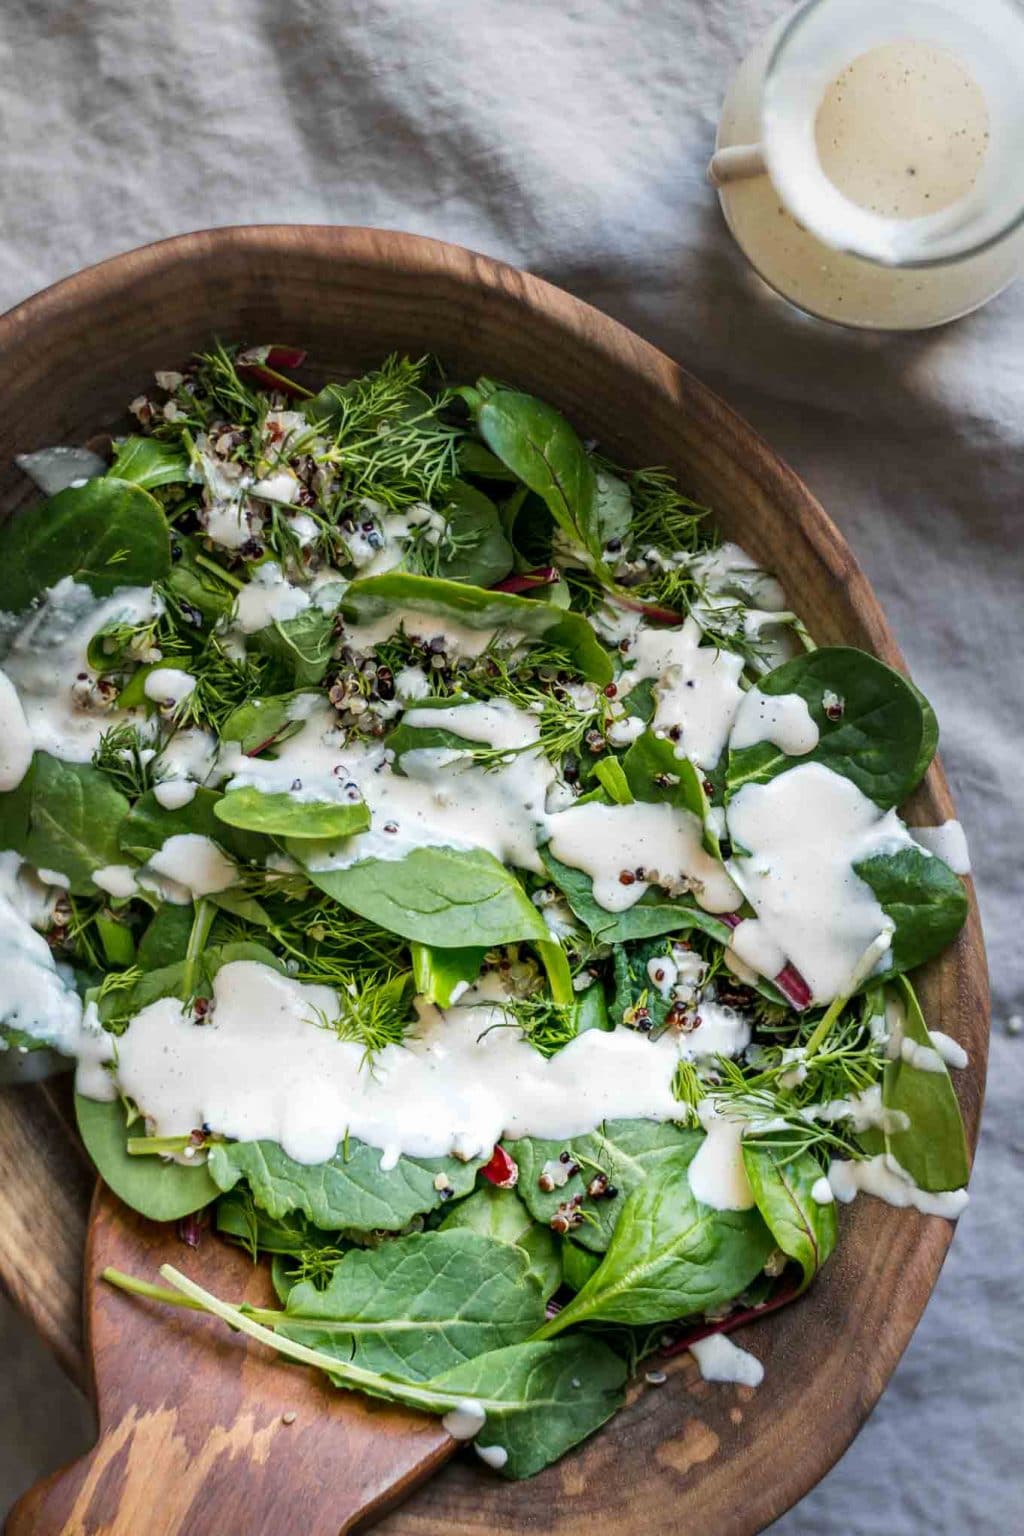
x=201 y=1431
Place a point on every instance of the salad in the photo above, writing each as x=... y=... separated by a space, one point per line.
x=460 y=879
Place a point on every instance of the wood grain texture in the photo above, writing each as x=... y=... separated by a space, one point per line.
x=684 y=1456
x=202 y=1434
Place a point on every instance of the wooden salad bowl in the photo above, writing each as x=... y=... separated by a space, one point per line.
x=200 y=1433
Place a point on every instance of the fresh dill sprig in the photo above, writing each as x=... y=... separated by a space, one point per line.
x=662 y=515
x=223 y=682
x=548 y=1026
x=125 y=758
x=388 y=440
x=372 y=1011
x=217 y=384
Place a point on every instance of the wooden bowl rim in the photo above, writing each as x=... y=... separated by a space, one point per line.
x=417 y=255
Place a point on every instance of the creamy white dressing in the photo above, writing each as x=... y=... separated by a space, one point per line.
x=923 y=1057
x=465 y=1421
x=262 y=1066
x=717 y=1176
x=882 y=1176
x=948 y=842
x=804 y=831
x=172 y=794
x=782 y=719
x=719 y=1359
x=37 y=998
x=116 y=879
x=267 y=598
x=607 y=841
x=821 y=1191
x=45 y=657
x=168 y=687
x=950 y=1050
x=194 y=862
x=492 y=1455
x=15 y=737
x=696 y=688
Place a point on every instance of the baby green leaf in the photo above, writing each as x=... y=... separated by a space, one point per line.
x=149 y=825
x=480 y=552
x=541 y=448
x=922 y=896
x=148 y=462
x=106 y=534
x=374 y=596
x=654 y=773
x=932 y=1148
x=282 y=815
x=540 y=1399
x=501 y=1215
x=349 y=1191
x=655 y=913
x=263 y=722
x=156 y=1188
x=626 y=1151
x=419 y=1305
x=302 y=646
x=578 y=1264
x=444 y=897
x=442 y=975
x=64 y=816
x=803 y=1229
x=670 y=1256
x=878 y=741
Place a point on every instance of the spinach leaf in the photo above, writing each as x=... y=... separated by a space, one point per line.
x=197 y=585
x=106 y=534
x=416 y=738
x=418 y=1305
x=351 y=1190
x=878 y=742
x=922 y=896
x=442 y=975
x=803 y=1229
x=613 y=509
x=932 y=1149
x=501 y=1215
x=535 y=1400
x=578 y=1264
x=65 y=817
x=475 y=459
x=480 y=552
x=540 y=1399
x=625 y=1151
x=670 y=1256
x=262 y=723
x=153 y=1186
x=544 y=452
x=282 y=815
x=148 y=462
x=655 y=913
x=929 y=736
x=374 y=596
x=302 y=646
x=165 y=940
x=655 y=773
x=149 y=824
x=444 y=897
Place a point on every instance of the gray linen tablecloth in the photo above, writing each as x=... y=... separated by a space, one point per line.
x=570 y=138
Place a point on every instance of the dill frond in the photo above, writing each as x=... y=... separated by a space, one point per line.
x=121 y=755
x=388 y=440
x=372 y=1012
